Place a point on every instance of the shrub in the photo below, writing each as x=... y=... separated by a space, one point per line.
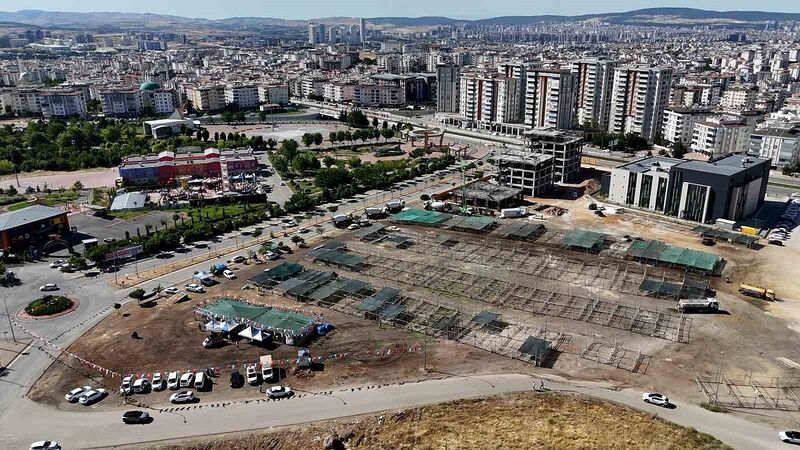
x=48 y=305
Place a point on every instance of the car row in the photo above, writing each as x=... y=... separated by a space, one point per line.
x=85 y=395
x=787 y=222
x=173 y=381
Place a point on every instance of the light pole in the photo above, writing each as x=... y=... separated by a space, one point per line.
x=10 y=325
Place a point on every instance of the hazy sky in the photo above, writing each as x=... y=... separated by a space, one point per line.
x=306 y=9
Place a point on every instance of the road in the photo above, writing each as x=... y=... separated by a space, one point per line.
x=104 y=429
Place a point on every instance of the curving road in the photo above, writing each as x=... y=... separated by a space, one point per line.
x=105 y=429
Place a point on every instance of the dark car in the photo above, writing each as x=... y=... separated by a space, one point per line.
x=135 y=417
x=237 y=379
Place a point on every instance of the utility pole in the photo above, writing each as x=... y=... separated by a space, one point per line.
x=10 y=324
x=16 y=170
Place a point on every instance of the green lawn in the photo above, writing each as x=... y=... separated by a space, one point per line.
x=58 y=198
x=17 y=206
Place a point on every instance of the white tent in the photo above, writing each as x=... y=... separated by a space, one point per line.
x=219 y=327
x=254 y=334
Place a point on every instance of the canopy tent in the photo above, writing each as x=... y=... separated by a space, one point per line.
x=255 y=334
x=219 y=326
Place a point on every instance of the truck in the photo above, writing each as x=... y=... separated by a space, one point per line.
x=698 y=304
x=756 y=291
x=395 y=206
x=512 y=213
x=267 y=372
x=341 y=220
x=375 y=213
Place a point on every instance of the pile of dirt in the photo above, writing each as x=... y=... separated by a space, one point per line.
x=519 y=421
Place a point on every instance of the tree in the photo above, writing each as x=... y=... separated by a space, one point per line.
x=175 y=218
x=317 y=139
x=227 y=117
x=11 y=191
x=385 y=124
x=297 y=239
x=77 y=185
x=308 y=139
x=262 y=116
x=678 y=150
x=216 y=135
x=240 y=116
x=387 y=133
x=6 y=167
x=375 y=122
x=271 y=143
x=417 y=152
x=137 y=294
x=328 y=161
x=332 y=137
x=205 y=135
x=230 y=137
x=357 y=119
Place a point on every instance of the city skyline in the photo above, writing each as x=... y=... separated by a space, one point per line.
x=455 y=9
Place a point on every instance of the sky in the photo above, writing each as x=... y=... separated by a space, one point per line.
x=458 y=9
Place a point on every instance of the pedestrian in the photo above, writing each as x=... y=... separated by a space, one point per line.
x=541 y=385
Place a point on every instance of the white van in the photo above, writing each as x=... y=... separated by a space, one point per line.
x=186 y=379
x=199 y=381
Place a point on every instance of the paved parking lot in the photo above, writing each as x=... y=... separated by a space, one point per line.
x=102 y=228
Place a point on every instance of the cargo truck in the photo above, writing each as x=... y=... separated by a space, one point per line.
x=757 y=292
x=698 y=304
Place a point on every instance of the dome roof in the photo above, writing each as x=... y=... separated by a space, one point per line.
x=149 y=86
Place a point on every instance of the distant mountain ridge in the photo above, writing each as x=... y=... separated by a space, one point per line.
x=662 y=16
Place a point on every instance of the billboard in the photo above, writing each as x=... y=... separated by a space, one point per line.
x=125 y=253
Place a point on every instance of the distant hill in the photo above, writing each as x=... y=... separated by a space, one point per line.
x=653 y=16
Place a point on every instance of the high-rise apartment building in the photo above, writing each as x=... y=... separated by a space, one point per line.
x=447 y=88
x=549 y=98
x=638 y=99
x=595 y=79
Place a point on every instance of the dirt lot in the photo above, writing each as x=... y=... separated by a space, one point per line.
x=522 y=421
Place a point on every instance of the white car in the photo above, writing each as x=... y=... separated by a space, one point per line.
x=171 y=290
x=194 y=288
x=187 y=379
x=92 y=396
x=158 y=382
x=228 y=274
x=279 y=392
x=49 y=287
x=57 y=263
x=239 y=259
x=141 y=386
x=655 y=399
x=172 y=381
x=303 y=230
x=73 y=395
x=182 y=397
x=393 y=229
x=252 y=376
x=272 y=256
x=353 y=227
x=790 y=437
x=45 y=445
x=126 y=388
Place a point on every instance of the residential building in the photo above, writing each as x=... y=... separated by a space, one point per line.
x=121 y=102
x=638 y=99
x=594 y=83
x=22 y=102
x=549 y=98
x=779 y=145
x=678 y=126
x=731 y=187
x=447 y=88
x=720 y=135
x=62 y=104
x=243 y=96
x=378 y=95
x=277 y=94
x=739 y=97
x=206 y=98
x=338 y=92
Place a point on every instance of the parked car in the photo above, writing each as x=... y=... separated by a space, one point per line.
x=187 y=379
x=212 y=341
x=49 y=287
x=92 y=396
x=272 y=256
x=141 y=386
x=253 y=376
x=171 y=290
x=655 y=399
x=353 y=226
x=393 y=229
x=279 y=392
x=45 y=445
x=158 y=382
x=135 y=417
x=228 y=274
x=200 y=381
x=73 y=395
x=126 y=388
x=57 y=263
x=194 y=288
x=237 y=380
x=173 y=381
x=790 y=437
x=239 y=259
x=182 y=397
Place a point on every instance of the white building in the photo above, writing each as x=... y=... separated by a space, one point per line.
x=639 y=96
x=378 y=95
x=780 y=146
x=126 y=102
x=739 y=97
x=679 y=123
x=206 y=98
x=719 y=135
x=22 y=101
x=594 y=83
x=62 y=104
x=244 y=96
x=338 y=92
x=549 y=98
x=274 y=93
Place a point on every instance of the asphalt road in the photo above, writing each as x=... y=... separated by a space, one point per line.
x=105 y=429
